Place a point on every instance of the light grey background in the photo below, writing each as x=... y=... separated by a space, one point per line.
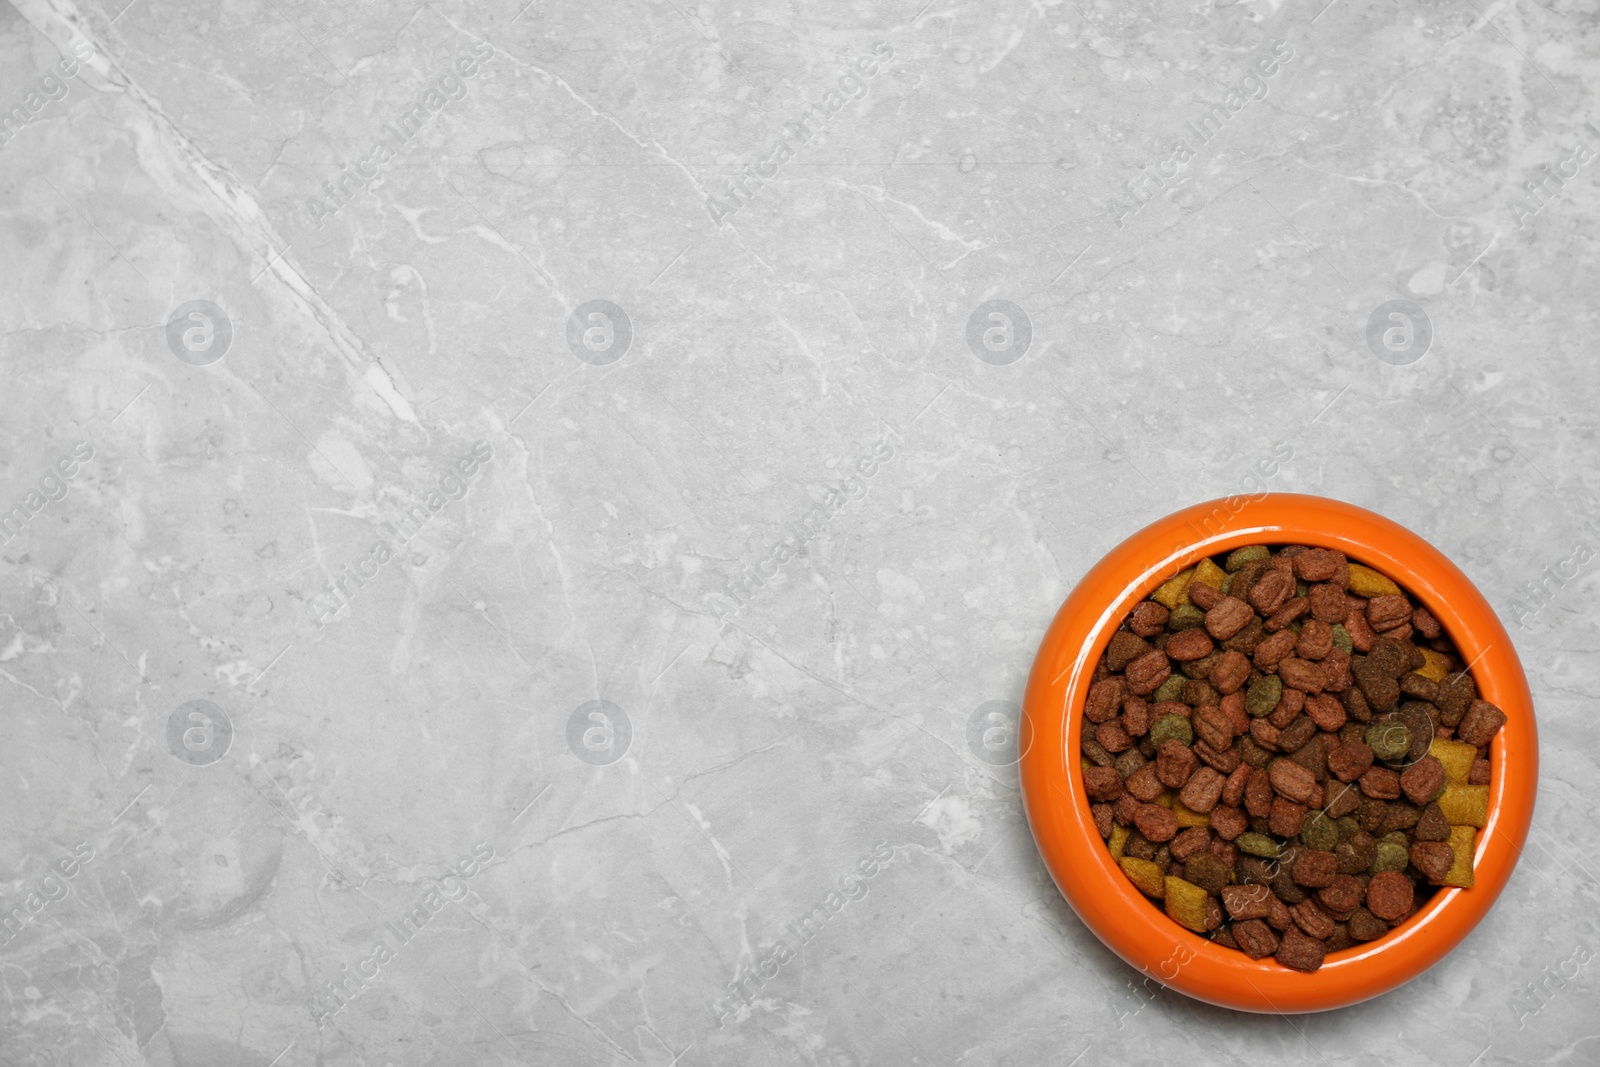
x=775 y=349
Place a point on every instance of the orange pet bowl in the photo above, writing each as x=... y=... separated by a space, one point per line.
x=1058 y=809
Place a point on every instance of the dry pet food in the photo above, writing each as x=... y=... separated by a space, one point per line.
x=1286 y=753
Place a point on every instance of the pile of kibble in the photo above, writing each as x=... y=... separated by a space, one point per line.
x=1287 y=752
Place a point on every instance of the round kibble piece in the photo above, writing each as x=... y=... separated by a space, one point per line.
x=1342 y=895
x=1255 y=938
x=1257 y=845
x=1299 y=952
x=1389 y=739
x=1423 y=780
x=1171 y=727
x=1314 y=869
x=1156 y=823
x=1365 y=926
x=1390 y=895
x=1433 y=858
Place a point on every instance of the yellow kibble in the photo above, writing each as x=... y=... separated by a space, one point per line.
x=1464 y=843
x=1084 y=764
x=1187 y=816
x=1364 y=581
x=1186 y=904
x=1119 y=838
x=1174 y=590
x=1206 y=573
x=1434 y=666
x=1146 y=875
x=1166 y=799
x=1465 y=805
x=1457 y=757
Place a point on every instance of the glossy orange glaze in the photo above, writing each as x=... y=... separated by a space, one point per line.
x=1134 y=927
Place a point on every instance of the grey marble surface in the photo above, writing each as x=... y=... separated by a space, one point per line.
x=383 y=609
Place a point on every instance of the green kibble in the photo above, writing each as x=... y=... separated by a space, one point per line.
x=1263 y=695
x=1341 y=638
x=1240 y=556
x=1186 y=617
x=1301 y=589
x=1171 y=726
x=1171 y=689
x=1389 y=739
x=1319 y=832
x=1347 y=825
x=1257 y=845
x=1392 y=855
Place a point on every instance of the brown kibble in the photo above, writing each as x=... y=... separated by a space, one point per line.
x=1286 y=817
x=1293 y=609
x=1341 y=896
x=1148 y=618
x=1125 y=647
x=1246 y=901
x=1426 y=624
x=1292 y=781
x=1271 y=590
x=1112 y=737
x=1299 y=952
x=1361 y=633
x=1254 y=938
x=1175 y=762
x=1102 y=783
x=1145 y=674
x=1387 y=611
x=1350 y=760
x=1224 y=761
x=1365 y=926
x=1297 y=733
x=1189 y=645
x=1233 y=791
x=1203 y=790
x=1207 y=871
x=1136 y=715
x=1212 y=726
x=1479 y=775
x=1270 y=652
x=1314 y=869
x=1203 y=596
x=1144 y=784
x=1258 y=794
x=1326 y=711
x=1101 y=813
x=1302 y=674
x=1125 y=807
x=1381 y=783
x=1423 y=780
x=1328 y=603
x=1432 y=825
x=1316 y=640
x=1228 y=821
x=1390 y=895
x=1312 y=919
x=1318 y=564
x=1290 y=704
x=1232 y=670
x=1188 y=842
x=1227 y=617
x=1105 y=697
x=1481 y=722
x=1433 y=858
x=1155 y=822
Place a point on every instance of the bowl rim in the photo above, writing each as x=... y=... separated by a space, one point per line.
x=1058 y=809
